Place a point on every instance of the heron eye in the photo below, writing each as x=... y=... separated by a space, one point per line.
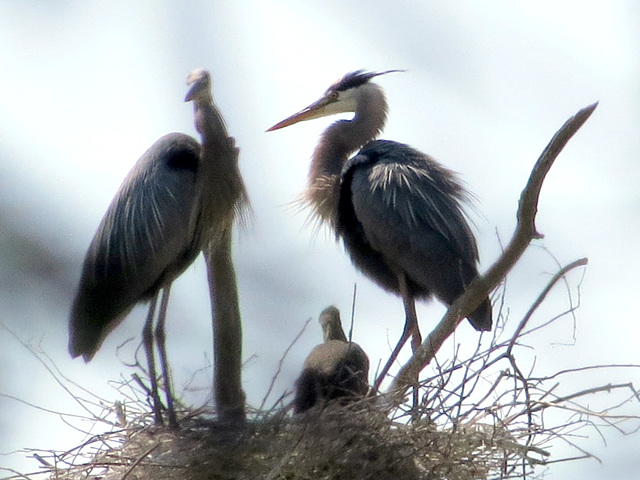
x=334 y=95
x=183 y=160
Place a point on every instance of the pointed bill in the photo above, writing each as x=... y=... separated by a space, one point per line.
x=198 y=80
x=315 y=110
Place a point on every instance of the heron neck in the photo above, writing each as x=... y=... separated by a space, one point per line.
x=333 y=331
x=210 y=124
x=338 y=141
x=222 y=190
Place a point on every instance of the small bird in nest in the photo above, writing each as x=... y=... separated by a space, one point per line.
x=335 y=369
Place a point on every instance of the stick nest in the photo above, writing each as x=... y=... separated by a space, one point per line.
x=355 y=441
x=480 y=414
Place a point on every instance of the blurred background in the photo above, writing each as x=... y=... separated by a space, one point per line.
x=88 y=86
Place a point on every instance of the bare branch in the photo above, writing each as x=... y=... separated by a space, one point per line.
x=140 y=459
x=281 y=362
x=478 y=290
x=559 y=275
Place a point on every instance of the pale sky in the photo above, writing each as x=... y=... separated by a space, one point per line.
x=88 y=86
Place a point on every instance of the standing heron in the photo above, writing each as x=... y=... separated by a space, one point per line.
x=397 y=210
x=335 y=369
x=172 y=204
x=223 y=191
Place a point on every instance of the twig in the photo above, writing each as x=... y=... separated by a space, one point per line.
x=42 y=460
x=284 y=355
x=586 y=368
x=590 y=391
x=478 y=289
x=56 y=378
x=559 y=275
x=353 y=311
x=139 y=459
x=25 y=476
x=43 y=409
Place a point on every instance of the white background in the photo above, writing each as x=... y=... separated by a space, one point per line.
x=88 y=86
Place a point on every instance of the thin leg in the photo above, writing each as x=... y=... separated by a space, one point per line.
x=406 y=333
x=416 y=337
x=147 y=339
x=412 y=321
x=162 y=349
x=410 y=330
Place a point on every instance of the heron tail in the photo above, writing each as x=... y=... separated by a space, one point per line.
x=481 y=317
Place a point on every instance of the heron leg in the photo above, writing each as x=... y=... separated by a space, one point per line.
x=406 y=333
x=161 y=338
x=411 y=321
x=410 y=330
x=147 y=339
x=416 y=337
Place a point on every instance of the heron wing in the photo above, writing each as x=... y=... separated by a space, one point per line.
x=410 y=193
x=400 y=212
x=146 y=239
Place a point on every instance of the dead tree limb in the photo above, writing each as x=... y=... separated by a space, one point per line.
x=524 y=233
x=523 y=323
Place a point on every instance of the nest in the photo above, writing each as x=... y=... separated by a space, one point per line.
x=479 y=415
x=338 y=442
x=445 y=435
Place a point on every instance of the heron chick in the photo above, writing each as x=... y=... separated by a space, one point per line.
x=335 y=369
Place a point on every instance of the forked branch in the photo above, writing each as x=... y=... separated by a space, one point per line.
x=524 y=233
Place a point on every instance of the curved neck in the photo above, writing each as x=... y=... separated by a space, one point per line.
x=209 y=123
x=344 y=137
x=220 y=185
x=337 y=142
x=333 y=331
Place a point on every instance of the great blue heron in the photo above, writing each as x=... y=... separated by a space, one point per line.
x=335 y=369
x=397 y=210
x=174 y=202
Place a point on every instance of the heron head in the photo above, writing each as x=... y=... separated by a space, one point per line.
x=200 y=82
x=341 y=97
x=331 y=324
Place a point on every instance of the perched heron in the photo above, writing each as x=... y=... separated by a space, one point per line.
x=397 y=210
x=172 y=204
x=224 y=192
x=335 y=369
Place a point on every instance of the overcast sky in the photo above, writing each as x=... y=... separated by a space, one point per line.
x=88 y=86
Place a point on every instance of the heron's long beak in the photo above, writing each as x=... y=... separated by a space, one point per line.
x=315 y=110
x=197 y=80
x=195 y=89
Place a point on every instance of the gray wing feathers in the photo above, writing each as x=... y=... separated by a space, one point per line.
x=144 y=241
x=148 y=221
x=411 y=202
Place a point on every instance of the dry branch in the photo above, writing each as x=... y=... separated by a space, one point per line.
x=281 y=362
x=560 y=274
x=140 y=459
x=478 y=290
